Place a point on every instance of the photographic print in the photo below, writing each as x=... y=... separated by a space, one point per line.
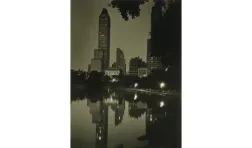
x=126 y=74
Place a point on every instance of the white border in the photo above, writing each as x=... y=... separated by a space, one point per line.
x=35 y=67
x=35 y=72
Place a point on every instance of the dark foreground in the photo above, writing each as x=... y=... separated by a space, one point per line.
x=124 y=120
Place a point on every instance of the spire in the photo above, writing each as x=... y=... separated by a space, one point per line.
x=104 y=11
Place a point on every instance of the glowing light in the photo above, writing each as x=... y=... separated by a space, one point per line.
x=114 y=80
x=162 y=85
x=135 y=97
x=161 y=104
x=119 y=118
x=99 y=137
x=135 y=85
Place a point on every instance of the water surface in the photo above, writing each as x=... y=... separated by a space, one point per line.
x=124 y=120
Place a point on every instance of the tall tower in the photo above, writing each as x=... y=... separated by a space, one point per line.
x=120 y=60
x=153 y=62
x=104 y=37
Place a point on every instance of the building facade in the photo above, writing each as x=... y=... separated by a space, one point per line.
x=96 y=65
x=136 y=63
x=104 y=37
x=112 y=72
x=98 y=53
x=152 y=61
x=142 y=72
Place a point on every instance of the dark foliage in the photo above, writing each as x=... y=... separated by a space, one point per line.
x=128 y=7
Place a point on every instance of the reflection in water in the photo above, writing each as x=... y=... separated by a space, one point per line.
x=159 y=118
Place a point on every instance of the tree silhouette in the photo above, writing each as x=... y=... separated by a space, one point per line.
x=128 y=7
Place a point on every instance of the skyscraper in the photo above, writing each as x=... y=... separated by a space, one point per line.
x=120 y=61
x=104 y=37
x=152 y=61
x=98 y=54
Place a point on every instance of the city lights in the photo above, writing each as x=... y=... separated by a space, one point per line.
x=135 y=96
x=162 y=85
x=135 y=85
x=114 y=80
x=161 y=104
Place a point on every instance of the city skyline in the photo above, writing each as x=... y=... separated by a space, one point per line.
x=85 y=29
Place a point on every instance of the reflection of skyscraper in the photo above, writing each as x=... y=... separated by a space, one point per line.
x=134 y=111
x=118 y=108
x=99 y=112
x=119 y=112
x=102 y=128
x=152 y=117
x=149 y=118
x=104 y=36
x=95 y=111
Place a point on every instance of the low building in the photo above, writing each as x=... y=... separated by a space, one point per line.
x=112 y=72
x=96 y=65
x=89 y=67
x=135 y=63
x=142 y=72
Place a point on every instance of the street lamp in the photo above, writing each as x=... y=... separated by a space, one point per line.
x=166 y=69
x=162 y=85
x=161 y=104
x=113 y=80
x=135 y=96
x=135 y=85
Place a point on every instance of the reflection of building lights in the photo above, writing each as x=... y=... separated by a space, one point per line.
x=99 y=137
x=161 y=104
x=150 y=118
x=135 y=85
x=135 y=97
x=119 y=117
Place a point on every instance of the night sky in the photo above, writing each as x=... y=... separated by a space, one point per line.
x=130 y=36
